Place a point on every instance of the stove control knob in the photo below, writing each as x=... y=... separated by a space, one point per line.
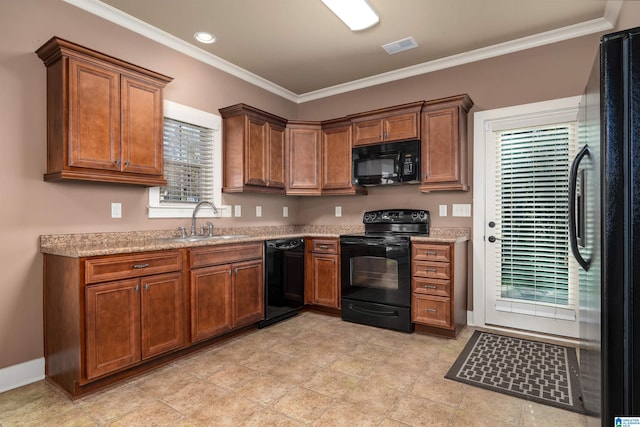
x=415 y=215
x=424 y=215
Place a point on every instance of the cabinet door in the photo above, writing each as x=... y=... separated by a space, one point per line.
x=112 y=316
x=440 y=146
x=401 y=126
x=304 y=156
x=275 y=165
x=248 y=293
x=325 y=280
x=367 y=132
x=162 y=311
x=142 y=126
x=94 y=116
x=256 y=152
x=210 y=302
x=336 y=158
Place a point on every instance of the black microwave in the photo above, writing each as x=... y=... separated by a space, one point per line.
x=389 y=163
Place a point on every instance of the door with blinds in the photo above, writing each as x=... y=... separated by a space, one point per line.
x=531 y=280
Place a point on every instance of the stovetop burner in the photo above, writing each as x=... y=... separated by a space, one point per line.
x=397 y=222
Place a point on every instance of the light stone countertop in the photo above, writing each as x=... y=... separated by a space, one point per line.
x=97 y=244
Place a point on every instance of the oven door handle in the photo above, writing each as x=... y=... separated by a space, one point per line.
x=386 y=313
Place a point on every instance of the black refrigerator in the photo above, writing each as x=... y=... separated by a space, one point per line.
x=604 y=230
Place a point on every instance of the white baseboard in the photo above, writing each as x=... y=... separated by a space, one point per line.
x=21 y=374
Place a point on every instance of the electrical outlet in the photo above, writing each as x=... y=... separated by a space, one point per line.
x=443 y=210
x=258 y=211
x=285 y=211
x=338 y=211
x=116 y=210
x=461 y=210
x=237 y=211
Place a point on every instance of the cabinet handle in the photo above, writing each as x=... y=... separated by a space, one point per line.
x=236 y=270
x=430 y=253
x=118 y=162
x=230 y=272
x=430 y=287
x=146 y=287
x=430 y=270
x=430 y=310
x=137 y=288
x=323 y=246
x=138 y=266
x=126 y=164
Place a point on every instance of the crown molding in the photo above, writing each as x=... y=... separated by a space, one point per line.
x=136 y=25
x=96 y=7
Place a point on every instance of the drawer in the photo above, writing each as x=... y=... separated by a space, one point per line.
x=434 y=270
x=224 y=254
x=324 y=246
x=117 y=267
x=430 y=252
x=431 y=286
x=431 y=310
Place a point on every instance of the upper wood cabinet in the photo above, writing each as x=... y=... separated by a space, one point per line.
x=104 y=117
x=388 y=124
x=253 y=150
x=444 y=144
x=336 y=158
x=304 y=158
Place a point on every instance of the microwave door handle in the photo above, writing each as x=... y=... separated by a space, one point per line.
x=577 y=221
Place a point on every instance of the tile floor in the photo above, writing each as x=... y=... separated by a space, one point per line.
x=311 y=370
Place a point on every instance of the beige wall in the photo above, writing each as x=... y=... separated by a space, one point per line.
x=33 y=207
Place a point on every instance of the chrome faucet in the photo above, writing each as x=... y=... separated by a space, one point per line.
x=193 y=217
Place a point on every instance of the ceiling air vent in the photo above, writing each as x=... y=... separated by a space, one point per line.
x=400 y=45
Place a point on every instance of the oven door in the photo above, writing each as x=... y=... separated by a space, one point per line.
x=376 y=269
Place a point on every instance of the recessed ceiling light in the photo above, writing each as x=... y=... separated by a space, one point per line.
x=357 y=14
x=204 y=37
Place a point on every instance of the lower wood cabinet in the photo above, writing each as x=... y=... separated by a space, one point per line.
x=132 y=320
x=439 y=287
x=227 y=288
x=322 y=284
x=106 y=314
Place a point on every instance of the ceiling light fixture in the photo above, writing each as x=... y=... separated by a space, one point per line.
x=356 y=14
x=204 y=37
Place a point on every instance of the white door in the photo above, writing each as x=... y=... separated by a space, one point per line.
x=529 y=276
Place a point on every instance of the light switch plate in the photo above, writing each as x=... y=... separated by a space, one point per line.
x=116 y=210
x=338 y=211
x=443 y=210
x=285 y=211
x=258 y=211
x=461 y=210
x=237 y=211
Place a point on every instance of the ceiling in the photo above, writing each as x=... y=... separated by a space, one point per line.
x=302 y=51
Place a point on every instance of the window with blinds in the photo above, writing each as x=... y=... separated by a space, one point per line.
x=192 y=163
x=534 y=267
x=188 y=163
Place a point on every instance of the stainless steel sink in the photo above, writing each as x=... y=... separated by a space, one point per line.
x=203 y=238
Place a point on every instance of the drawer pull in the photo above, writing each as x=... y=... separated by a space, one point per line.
x=430 y=270
x=323 y=246
x=434 y=253
x=430 y=310
x=138 y=266
x=430 y=287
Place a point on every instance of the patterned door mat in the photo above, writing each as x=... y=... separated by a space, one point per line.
x=532 y=370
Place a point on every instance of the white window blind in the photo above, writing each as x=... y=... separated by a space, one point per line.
x=188 y=163
x=535 y=272
x=192 y=163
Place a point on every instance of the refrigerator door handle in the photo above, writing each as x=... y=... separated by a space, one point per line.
x=573 y=221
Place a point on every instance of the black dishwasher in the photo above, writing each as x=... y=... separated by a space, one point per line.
x=283 y=279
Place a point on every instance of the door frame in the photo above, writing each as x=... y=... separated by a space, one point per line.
x=486 y=122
